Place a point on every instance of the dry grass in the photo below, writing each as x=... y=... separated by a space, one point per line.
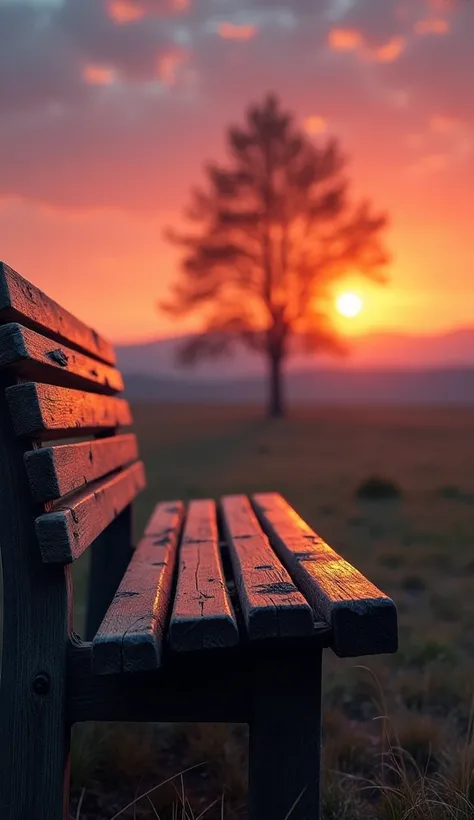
x=417 y=548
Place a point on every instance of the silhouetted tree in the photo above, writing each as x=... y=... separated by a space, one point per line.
x=274 y=229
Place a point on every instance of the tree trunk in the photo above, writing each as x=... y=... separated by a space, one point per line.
x=276 y=407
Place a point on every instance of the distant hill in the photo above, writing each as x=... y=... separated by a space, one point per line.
x=394 y=387
x=375 y=351
x=382 y=368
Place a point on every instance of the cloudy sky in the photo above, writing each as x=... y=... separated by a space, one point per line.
x=108 y=109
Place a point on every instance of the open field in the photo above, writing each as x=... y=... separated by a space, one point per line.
x=418 y=549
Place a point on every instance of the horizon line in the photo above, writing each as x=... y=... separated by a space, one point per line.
x=451 y=330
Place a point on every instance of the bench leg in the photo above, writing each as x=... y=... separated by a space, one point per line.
x=34 y=769
x=285 y=740
x=37 y=621
x=35 y=736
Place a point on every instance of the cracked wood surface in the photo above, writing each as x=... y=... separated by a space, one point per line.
x=66 y=531
x=45 y=411
x=271 y=604
x=38 y=358
x=56 y=471
x=132 y=633
x=363 y=619
x=20 y=301
x=202 y=615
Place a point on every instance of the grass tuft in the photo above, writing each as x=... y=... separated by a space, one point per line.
x=378 y=488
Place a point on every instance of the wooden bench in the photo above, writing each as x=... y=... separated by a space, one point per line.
x=221 y=612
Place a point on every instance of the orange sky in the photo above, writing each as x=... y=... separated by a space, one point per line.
x=97 y=158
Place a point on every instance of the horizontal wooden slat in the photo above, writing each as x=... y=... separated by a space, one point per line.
x=202 y=614
x=46 y=411
x=66 y=531
x=271 y=604
x=56 y=471
x=132 y=633
x=36 y=358
x=210 y=692
x=363 y=619
x=20 y=301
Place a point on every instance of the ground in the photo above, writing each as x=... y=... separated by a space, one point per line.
x=417 y=548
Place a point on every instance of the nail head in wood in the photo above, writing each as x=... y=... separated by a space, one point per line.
x=41 y=684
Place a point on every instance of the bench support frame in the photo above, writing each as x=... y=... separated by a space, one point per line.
x=37 y=619
x=279 y=699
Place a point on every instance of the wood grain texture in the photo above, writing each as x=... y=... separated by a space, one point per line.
x=271 y=604
x=56 y=471
x=45 y=411
x=66 y=531
x=37 y=618
x=20 y=301
x=36 y=358
x=363 y=619
x=202 y=613
x=131 y=636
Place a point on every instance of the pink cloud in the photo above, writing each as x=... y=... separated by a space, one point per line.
x=345 y=39
x=232 y=31
x=124 y=11
x=432 y=25
x=146 y=135
x=95 y=74
x=129 y=11
x=349 y=39
x=389 y=51
x=169 y=64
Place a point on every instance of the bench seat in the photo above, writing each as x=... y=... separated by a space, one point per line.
x=222 y=577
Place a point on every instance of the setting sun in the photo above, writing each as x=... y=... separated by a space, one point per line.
x=349 y=305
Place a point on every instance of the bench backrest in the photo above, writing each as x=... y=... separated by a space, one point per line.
x=58 y=382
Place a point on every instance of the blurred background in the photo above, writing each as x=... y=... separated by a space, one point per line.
x=268 y=207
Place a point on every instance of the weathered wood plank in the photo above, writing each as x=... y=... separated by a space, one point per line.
x=56 y=471
x=271 y=604
x=36 y=358
x=202 y=613
x=177 y=692
x=131 y=636
x=66 y=531
x=363 y=619
x=45 y=411
x=20 y=301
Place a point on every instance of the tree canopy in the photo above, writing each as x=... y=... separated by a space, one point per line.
x=269 y=233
